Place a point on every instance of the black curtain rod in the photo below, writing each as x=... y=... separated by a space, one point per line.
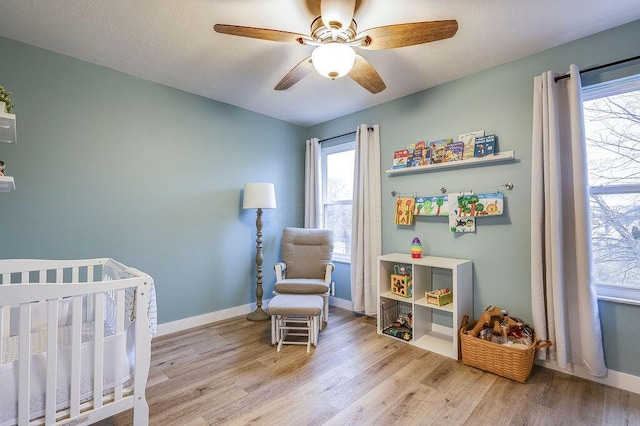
x=339 y=136
x=598 y=67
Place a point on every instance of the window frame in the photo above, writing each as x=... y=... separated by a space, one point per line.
x=627 y=84
x=324 y=153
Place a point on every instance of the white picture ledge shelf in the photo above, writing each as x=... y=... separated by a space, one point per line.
x=7 y=184
x=7 y=127
x=500 y=157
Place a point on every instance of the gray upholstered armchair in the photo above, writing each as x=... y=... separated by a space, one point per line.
x=306 y=264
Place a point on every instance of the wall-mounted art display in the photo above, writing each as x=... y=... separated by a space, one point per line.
x=404 y=210
x=458 y=223
x=432 y=206
x=488 y=204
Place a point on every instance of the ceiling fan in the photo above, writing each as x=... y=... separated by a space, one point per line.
x=334 y=35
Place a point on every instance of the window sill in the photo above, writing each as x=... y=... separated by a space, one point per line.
x=619 y=300
x=628 y=296
x=341 y=260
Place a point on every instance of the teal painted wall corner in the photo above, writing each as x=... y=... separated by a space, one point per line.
x=109 y=165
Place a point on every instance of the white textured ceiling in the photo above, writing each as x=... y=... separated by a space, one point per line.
x=173 y=43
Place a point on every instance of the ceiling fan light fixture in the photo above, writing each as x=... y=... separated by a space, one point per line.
x=333 y=60
x=337 y=14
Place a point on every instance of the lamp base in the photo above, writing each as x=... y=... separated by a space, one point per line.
x=258 y=315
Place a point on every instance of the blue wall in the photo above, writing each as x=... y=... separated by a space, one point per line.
x=500 y=101
x=108 y=165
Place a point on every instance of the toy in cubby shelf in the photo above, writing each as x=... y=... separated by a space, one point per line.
x=416 y=248
x=396 y=319
x=401 y=284
x=439 y=297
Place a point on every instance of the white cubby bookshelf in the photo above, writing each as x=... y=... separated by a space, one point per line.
x=428 y=273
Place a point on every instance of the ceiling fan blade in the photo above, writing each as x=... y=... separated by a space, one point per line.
x=337 y=14
x=366 y=76
x=260 y=33
x=410 y=34
x=295 y=75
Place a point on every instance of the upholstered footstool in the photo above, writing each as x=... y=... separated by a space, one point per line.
x=295 y=315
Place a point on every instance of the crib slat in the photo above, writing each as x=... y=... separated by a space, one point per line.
x=52 y=361
x=24 y=365
x=89 y=300
x=76 y=342
x=4 y=325
x=98 y=352
x=59 y=275
x=117 y=392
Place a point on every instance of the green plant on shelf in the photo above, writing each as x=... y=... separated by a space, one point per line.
x=4 y=97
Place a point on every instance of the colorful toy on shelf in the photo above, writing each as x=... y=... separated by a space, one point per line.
x=439 y=297
x=416 y=248
x=401 y=281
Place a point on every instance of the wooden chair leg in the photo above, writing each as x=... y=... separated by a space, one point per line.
x=274 y=331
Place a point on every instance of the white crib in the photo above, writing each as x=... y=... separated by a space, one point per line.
x=100 y=315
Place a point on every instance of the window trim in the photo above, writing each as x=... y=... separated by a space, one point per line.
x=324 y=152
x=605 y=292
x=629 y=296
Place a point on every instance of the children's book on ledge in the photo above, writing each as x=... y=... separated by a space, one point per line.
x=469 y=145
x=400 y=159
x=485 y=145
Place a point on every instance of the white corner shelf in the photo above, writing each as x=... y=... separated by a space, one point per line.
x=428 y=273
x=7 y=127
x=500 y=157
x=7 y=184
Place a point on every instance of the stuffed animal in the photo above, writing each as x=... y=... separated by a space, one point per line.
x=492 y=317
x=498 y=321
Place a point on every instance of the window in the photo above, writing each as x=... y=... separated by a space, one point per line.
x=337 y=196
x=612 y=124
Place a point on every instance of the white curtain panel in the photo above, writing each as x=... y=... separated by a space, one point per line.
x=312 y=185
x=366 y=235
x=564 y=304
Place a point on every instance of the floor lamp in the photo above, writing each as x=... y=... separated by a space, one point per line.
x=259 y=196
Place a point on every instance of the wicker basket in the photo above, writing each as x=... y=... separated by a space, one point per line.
x=505 y=361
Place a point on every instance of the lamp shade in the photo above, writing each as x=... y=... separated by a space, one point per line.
x=333 y=59
x=259 y=196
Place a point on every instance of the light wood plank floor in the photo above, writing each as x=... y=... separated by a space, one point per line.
x=228 y=373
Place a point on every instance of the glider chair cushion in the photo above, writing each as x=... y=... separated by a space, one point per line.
x=302 y=286
x=306 y=263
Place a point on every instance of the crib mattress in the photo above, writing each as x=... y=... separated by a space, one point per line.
x=118 y=353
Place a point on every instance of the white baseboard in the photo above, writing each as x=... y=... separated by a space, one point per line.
x=340 y=303
x=211 y=317
x=613 y=378
x=197 y=321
